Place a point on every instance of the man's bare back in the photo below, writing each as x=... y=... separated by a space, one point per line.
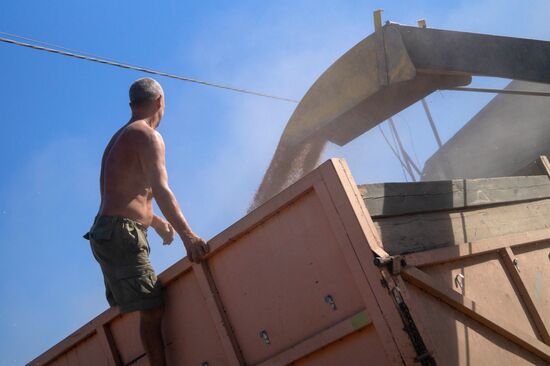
x=125 y=190
x=133 y=172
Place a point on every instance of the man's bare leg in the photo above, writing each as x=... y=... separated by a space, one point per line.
x=151 y=336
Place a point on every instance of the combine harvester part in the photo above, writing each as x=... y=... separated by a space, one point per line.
x=385 y=73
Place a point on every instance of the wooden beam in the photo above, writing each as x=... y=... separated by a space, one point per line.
x=470 y=249
x=476 y=312
x=515 y=274
x=322 y=339
x=394 y=199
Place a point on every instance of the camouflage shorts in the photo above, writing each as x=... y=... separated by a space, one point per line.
x=121 y=248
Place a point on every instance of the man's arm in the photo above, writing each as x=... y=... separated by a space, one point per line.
x=164 y=229
x=152 y=157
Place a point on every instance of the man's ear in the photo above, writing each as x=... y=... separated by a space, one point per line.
x=158 y=102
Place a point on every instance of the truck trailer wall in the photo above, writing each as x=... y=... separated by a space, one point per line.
x=282 y=285
x=306 y=279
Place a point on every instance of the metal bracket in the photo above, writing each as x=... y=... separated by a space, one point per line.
x=395 y=263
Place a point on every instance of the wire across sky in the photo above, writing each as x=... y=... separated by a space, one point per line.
x=106 y=61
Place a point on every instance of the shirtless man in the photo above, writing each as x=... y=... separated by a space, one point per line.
x=133 y=172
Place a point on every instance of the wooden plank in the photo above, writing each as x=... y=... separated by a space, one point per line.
x=215 y=307
x=391 y=199
x=108 y=345
x=508 y=259
x=320 y=340
x=473 y=310
x=425 y=231
x=348 y=209
x=469 y=249
x=490 y=191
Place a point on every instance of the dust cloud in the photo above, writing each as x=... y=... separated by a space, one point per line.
x=290 y=162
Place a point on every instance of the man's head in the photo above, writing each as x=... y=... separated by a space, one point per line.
x=147 y=99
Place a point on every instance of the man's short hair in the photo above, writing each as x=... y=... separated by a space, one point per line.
x=143 y=90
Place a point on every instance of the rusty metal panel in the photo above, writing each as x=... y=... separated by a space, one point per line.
x=285 y=280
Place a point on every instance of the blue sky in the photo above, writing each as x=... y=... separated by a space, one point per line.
x=59 y=113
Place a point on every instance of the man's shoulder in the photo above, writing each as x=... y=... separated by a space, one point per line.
x=141 y=130
x=142 y=137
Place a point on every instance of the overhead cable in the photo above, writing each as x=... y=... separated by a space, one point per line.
x=432 y=123
x=79 y=55
x=395 y=153
x=409 y=164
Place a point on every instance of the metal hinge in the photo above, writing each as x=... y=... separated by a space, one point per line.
x=394 y=262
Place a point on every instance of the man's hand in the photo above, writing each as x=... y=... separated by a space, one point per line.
x=196 y=247
x=165 y=230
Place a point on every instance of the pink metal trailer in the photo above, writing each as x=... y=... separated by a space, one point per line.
x=331 y=273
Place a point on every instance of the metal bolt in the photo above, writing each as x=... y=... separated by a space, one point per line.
x=330 y=300
x=516 y=263
x=265 y=337
x=205 y=363
x=459 y=281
